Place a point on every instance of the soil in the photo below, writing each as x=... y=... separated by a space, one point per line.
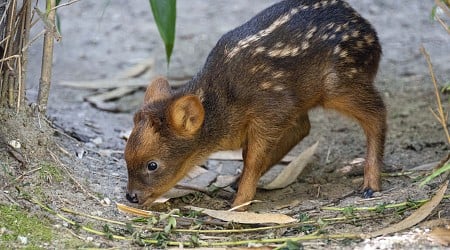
x=103 y=38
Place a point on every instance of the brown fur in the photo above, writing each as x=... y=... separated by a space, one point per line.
x=258 y=99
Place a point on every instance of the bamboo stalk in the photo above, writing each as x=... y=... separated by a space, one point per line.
x=4 y=67
x=47 y=58
x=24 y=62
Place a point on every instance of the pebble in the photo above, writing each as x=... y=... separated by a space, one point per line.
x=106 y=201
x=15 y=144
x=23 y=240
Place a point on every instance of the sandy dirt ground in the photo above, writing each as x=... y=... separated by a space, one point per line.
x=103 y=38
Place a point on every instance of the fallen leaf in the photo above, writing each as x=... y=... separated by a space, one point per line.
x=133 y=211
x=225 y=180
x=416 y=217
x=441 y=235
x=236 y=155
x=245 y=217
x=137 y=69
x=293 y=169
x=435 y=223
x=357 y=161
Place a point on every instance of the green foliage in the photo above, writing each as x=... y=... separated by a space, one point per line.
x=165 y=15
x=50 y=173
x=17 y=222
x=435 y=174
x=290 y=245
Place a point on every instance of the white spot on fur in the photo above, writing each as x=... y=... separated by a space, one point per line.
x=369 y=39
x=278 y=88
x=316 y=5
x=259 y=50
x=265 y=85
x=200 y=93
x=311 y=32
x=279 y=44
x=332 y=37
x=330 y=25
x=244 y=43
x=336 y=50
x=304 y=7
x=338 y=28
x=345 y=37
x=305 y=45
x=355 y=33
x=324 y=37
x=283 y=52
x=278 y=74
x=343 y=54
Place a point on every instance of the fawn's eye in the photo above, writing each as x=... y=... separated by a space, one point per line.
x=152 y=165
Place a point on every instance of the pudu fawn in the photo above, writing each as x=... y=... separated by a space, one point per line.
x=254 y=93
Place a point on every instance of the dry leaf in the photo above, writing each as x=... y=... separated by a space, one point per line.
x=245 y=217
x=291 y=171
x=225 y=180
x=441 y=235
x=236 y=155
x=134 y=211
x=416 y=217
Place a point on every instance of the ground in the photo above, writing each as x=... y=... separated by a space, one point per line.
x=102 y=38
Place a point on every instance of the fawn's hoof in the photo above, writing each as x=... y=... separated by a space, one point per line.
x=367 y=193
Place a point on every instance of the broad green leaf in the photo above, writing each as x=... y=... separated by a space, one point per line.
x=164 y=12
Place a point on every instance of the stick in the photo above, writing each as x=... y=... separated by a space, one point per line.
x=47 y=59
x=442 y=118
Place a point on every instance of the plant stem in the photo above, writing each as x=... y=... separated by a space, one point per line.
x=24 y=62
x=47 y=58
x=441 y=118
x=402 y=204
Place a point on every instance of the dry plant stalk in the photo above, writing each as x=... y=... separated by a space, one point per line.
x=446 y=10
x=440 y=116
x=15 y=25
x=47 y=57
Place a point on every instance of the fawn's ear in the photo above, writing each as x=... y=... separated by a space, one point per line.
x=158 y=89
x=186 y=115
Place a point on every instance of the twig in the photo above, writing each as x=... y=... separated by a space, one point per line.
x=442 y=117
x=397 y=205
x=73 y=178
x=47 y=57
x=314 y=236
x=24 y=60
x=65 y=4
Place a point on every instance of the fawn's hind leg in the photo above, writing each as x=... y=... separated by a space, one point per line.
x=365 y=105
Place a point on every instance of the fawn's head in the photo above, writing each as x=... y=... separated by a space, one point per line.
x=161 y=147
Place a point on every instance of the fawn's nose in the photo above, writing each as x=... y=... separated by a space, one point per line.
x=132 y=197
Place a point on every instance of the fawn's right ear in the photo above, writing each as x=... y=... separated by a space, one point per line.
x=158 y=89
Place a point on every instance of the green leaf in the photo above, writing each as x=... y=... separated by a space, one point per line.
x=436 y=173
x=164 y=12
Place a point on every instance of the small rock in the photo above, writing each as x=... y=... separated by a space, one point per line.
x=15 y=144
x=23 y=240
x=80 y=153
x=2 y=230
x=97 y=141
x=89 y=239
x=106 y=201
x=65 y=224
